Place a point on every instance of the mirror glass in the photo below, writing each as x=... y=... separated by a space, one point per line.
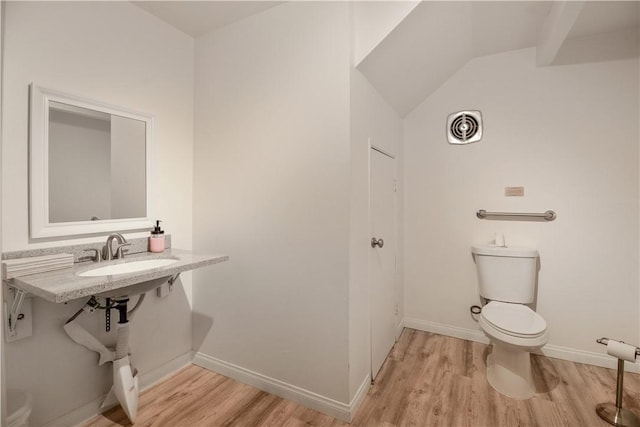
x=97 y=165
x=89 y=166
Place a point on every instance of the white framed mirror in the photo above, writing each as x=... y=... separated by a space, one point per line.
x=89 y=166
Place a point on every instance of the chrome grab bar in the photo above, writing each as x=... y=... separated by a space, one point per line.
x=548 y=215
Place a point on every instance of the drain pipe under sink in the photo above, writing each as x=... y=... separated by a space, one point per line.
x=126 y=386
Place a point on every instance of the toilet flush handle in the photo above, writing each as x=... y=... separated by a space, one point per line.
x=377 y=242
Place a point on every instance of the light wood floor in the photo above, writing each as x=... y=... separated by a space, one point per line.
x=427 y=380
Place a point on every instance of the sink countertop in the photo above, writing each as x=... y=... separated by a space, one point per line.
x=65 y=285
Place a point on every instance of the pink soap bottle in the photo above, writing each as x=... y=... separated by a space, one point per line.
x=156 y=241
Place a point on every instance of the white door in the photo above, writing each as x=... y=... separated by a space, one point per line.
x=383 y=258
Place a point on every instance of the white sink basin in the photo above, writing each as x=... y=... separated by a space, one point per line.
x=128 y=267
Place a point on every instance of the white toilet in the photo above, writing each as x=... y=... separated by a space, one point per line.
x=507 y=281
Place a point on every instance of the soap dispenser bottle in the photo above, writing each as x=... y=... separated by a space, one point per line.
x=156 y=241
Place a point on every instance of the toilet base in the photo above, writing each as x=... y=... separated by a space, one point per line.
x=509 y=371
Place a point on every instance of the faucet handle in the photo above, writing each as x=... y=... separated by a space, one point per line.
x=97 y=255
x=120 y=250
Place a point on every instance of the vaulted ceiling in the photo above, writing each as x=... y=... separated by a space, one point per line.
x=417 y=45
x=437 y=38
x=199 y=17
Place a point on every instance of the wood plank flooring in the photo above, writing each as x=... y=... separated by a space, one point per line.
x=427 y=380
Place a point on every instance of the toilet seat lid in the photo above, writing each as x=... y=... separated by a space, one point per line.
x=514 y=319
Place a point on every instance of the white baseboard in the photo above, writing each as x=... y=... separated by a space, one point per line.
x=448 y=330
x=306 y=398
x=151 y=378
x=399 y=328
x=148 y=379
x=359 y=397
x=586 y=357
x=549 y=350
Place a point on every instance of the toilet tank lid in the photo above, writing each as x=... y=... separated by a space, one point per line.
x=508 y=251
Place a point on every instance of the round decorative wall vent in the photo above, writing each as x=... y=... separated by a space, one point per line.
x=464 y=127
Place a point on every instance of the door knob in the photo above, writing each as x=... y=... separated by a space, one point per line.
x=377 y=242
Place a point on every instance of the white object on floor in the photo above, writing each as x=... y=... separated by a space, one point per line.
x=507 y=279
x=125 y=379
x=126 y=387
x=19 y=405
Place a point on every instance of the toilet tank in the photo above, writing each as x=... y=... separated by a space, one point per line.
x=506 y=273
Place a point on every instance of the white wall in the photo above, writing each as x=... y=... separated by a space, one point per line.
x=146 y=65
x=372 y=119
x=3 y=400
x=117 y=53
x=569 y=135
x=272 y=192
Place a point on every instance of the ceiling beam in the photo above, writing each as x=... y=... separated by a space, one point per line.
x=556 y=28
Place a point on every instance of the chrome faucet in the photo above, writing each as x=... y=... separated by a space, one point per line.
x=107 y=250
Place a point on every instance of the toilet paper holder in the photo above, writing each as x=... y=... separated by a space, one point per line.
x=605 y=341
x=617 y=415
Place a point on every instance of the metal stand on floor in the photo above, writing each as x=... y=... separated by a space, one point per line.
x=616 y=414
